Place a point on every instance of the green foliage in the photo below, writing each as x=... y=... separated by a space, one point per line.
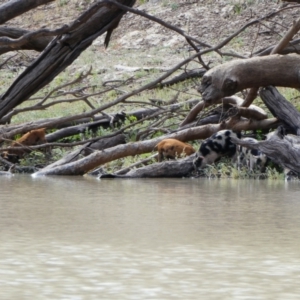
x=237 y=8
x=238 y=42
x=62 y=2
x=273 y=173
x=34 y=158
x=225 y=169
x=130 y=119
x=140 y=74
x=174 y=6
x=111 y=95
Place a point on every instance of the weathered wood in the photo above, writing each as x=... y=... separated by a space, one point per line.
x=38 y=44
x=284 y=41
x=192 y=115
x=104 y=143
x=167 y=169
x=293 y=47
x=282 y=109
x=284 y=151
x=253 y=111
x=143 y=162
x=91 y=126
x=87 y=149
x=98 y=158
x=296 y=1
x=14 y=8
x=60 y=53
x=197 y=73
x=229 y=78
x=105 y=122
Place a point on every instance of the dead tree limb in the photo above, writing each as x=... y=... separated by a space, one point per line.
x=296 y=1
x=60 y=53
x=143 y=162
x=229 y=78
x=197 y=73
x=253 y=111
x=98 y=158
x=38 y=43
x=282 y=109
x=51 y=122
x=287 y=37
x=280 y=46
x=282 y=151
x=293 y=47
x=14 y=8
x=87 y=149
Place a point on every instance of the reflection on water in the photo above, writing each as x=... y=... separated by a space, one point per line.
x=81 y=238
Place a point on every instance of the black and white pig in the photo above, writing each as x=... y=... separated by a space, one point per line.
x=252 y=158
x=216 y=146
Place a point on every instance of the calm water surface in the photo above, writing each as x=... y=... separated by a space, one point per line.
x=83 y=238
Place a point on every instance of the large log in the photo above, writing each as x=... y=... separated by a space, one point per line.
x=87 y=149
x=237 y=75
x=167 y=169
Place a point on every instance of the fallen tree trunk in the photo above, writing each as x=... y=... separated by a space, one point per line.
x=84 y=165
x=229 y=78
x=89 y=148
x=167 y=169
x=282 y=109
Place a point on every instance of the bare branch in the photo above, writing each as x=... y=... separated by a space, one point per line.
x=14 y=8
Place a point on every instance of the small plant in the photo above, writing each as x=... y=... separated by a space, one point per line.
x=272 y=173
x=174 y=6
x=237 y=8
x=62 y=2
x=141 y=74
x=34 y=158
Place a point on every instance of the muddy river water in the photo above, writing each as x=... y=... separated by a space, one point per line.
x=83 y=238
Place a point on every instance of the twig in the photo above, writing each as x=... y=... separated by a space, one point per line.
x=6 y=60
